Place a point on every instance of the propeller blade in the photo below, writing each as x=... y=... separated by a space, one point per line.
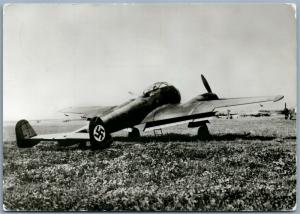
x=205 y=83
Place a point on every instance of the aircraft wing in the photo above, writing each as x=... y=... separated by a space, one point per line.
x=196 y=110
x=243 y=101
x=88 y=111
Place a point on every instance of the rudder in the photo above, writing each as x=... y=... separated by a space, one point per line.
x=24 y=132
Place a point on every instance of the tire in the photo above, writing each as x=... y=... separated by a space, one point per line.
x=134 y=134
x=203 y=133
x=99 y=137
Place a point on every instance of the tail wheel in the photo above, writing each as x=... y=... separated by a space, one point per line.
x=99 y=137
x=134 y=134
x=203 y=132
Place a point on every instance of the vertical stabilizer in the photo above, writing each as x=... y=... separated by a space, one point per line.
x=24 y=132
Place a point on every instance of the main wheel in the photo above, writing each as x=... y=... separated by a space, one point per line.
x=99 y=137
x=134 y=134
x=203 y=132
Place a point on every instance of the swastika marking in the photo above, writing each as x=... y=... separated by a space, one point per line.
x=99 y=133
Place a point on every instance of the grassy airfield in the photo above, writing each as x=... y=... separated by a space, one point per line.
x=249 y=164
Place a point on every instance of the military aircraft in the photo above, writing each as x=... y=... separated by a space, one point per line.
x=157 y=107
x=227 y=115
x=289 y=113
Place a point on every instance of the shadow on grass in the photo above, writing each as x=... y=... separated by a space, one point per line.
x=290 y=138
x=189 y=138
x=173 y=137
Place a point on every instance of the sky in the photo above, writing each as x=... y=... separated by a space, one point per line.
x=62 y=55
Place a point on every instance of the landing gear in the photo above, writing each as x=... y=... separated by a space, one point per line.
x=134 y=134
x=286 y=116
x=99 y=137
x=83 y=145
x=203 y=132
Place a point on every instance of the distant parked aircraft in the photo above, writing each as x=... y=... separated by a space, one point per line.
x=227 y=115
x=288 y=113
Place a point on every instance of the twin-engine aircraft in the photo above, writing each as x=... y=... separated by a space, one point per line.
x=289 y=113
x=158 y=107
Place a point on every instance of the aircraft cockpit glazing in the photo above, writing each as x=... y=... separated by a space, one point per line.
x=153 y=88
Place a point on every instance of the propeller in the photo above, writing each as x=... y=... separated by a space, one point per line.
x=206 y=85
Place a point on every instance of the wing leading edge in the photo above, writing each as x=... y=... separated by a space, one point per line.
x=88 y=112
x=196 y=110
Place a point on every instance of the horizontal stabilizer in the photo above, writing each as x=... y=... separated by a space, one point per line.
x=27 y=137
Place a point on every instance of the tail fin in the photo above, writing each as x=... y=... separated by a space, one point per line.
x=24 y=132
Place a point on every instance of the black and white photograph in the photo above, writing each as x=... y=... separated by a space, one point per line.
x=149 y=107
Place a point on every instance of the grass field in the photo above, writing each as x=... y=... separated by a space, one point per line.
x=233 y=171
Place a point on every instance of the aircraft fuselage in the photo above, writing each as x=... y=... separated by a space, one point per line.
x=134 y=111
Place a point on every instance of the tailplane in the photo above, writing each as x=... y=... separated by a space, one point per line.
x=24 y=133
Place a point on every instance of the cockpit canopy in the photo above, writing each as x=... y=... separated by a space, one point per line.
x=154 y=87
